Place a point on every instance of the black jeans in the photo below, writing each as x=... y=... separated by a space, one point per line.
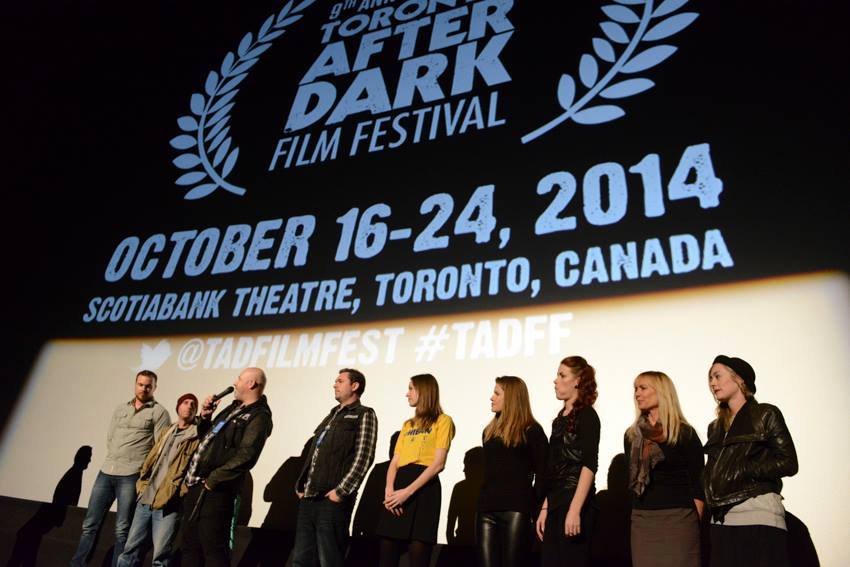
x=503 y=539
x=206 y=529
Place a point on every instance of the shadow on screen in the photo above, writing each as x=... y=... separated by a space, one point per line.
x=50 y=515
x=363 y=548
x=272 y=543
x=610 y=546
x=463 y=506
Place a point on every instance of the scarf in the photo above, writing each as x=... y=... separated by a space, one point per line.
x=645 y=453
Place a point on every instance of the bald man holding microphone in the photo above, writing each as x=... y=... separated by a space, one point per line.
x=230 y=446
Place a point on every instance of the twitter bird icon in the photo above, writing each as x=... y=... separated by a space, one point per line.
x=153 y=358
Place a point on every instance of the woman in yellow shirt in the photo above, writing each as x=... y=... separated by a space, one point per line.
x=413 y=494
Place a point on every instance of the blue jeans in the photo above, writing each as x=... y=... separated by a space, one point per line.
x=107 y=488
x=321 y=536
x=162 y=524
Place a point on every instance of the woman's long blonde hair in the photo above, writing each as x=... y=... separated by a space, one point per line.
x=669 y=411
x=428 y=405
x=513 y=421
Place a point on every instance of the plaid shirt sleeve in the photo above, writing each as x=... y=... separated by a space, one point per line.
x=364 y=454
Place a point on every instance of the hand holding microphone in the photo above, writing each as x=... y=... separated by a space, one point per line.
x=212 y=402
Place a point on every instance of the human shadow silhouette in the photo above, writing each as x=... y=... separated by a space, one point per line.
x=50 y=515
x=460 y=528
x=273 y=541
x=463 y=508
x=363 y=548
x=611 y=544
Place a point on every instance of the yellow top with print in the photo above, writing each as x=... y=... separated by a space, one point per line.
x=417 y=446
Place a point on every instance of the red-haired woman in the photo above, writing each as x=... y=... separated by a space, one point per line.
x=515 y=449
x=412 y=496
x=567 y=515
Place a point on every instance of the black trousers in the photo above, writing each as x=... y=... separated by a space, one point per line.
x=503 y=539
x=206 y=527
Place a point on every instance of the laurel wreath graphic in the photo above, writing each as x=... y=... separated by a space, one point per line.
x=626 y=63
x=206 y=130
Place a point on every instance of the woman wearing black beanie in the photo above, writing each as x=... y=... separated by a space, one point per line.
x=749 y=450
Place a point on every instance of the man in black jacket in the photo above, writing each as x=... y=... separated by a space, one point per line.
x=341 y=451
x=230 y=446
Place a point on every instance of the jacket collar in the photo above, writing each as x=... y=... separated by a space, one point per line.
x=191 y=431
x=348 y=407
x=262 y=402
x=743 y=428
x=742 y=424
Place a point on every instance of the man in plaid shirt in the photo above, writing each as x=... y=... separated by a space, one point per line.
x=341 y=452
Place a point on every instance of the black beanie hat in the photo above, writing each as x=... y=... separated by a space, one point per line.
x=741 y=367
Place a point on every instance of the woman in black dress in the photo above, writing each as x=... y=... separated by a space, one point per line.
x=567 y=515
x=515 y=449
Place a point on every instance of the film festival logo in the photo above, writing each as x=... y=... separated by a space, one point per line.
x=607 y=75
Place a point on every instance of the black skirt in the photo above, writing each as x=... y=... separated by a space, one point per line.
x=558 y=550
x=748 y=546
x=421 y=516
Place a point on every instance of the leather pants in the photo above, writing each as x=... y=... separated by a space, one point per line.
x=503 y=539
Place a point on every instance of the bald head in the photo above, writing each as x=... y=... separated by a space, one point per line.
x=257 y=375
x=249 y=385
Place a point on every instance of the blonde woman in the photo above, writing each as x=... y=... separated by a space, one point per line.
x=515 y=448
x=665 y=470
x=749 y=451
x=412 y=496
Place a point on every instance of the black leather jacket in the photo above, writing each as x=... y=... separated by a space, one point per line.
x=569 y=452
x=750 y=459
x=236 y=448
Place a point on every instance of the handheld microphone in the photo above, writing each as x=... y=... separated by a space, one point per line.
x=221 y=394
